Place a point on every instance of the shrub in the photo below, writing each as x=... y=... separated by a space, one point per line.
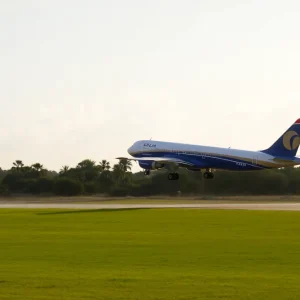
x=4 y=190
x=27 y=185
x=119 y=191
x=67 y=187
x=13 y=181
x=43 y=185
x=90 y=188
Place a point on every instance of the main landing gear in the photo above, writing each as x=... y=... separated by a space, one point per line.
x=208 y=174
x=173 y=176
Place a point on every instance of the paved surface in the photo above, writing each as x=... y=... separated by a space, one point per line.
x=242 y=206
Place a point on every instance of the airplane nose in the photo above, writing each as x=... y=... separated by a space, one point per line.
x=130 y=150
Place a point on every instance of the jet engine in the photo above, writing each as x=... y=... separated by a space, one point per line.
x=194 y=169
x=150 y=165
x=157 y=165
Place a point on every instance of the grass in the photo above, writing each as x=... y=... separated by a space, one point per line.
x=153 y=200
x=149 y=254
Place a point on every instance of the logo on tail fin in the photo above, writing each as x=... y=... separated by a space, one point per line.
x=291 y=140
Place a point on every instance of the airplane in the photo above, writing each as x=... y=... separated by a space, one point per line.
x=154 y=155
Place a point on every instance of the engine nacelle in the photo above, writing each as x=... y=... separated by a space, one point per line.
x=194 y=169
x=157 y=165
x=150 y=165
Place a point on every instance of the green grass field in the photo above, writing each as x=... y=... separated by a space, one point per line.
x=149 y=254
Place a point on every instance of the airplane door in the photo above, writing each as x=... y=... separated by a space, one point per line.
x=254 y=160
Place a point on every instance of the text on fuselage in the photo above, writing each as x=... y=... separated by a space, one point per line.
x=149 y=145
x=241 y=164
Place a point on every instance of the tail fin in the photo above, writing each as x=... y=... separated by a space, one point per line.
x=287 y=145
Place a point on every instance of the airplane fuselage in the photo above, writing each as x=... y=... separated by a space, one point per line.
x=203 y=157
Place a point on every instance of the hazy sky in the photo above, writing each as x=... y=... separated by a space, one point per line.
x=85 y=79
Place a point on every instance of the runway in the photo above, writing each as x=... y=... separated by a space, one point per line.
x=99 y=206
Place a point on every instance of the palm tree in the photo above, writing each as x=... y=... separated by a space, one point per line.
x=86 y=164
x=64 y=170
x=125 y=164
x=37 y=167
x=104 y=165
x=17 y=165
x=118 y=172
x=88 y=170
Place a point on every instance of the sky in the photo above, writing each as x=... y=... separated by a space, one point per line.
x=87 y=78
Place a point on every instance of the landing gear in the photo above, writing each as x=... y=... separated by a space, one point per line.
x=208 y=174
x=147 y=172
x=173 y=176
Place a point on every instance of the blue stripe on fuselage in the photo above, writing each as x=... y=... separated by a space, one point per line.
x=206 y=160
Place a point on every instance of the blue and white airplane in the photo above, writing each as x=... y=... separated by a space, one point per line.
x=153 y=155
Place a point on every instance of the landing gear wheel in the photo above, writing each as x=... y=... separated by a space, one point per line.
x=147 y=172
x=173 y=176
x=208 y=175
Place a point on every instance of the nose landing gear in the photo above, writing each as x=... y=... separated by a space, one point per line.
x=208 y=174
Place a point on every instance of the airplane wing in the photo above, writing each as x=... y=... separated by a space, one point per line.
x=165 y=160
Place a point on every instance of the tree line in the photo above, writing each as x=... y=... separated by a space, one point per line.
x=90 y=177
